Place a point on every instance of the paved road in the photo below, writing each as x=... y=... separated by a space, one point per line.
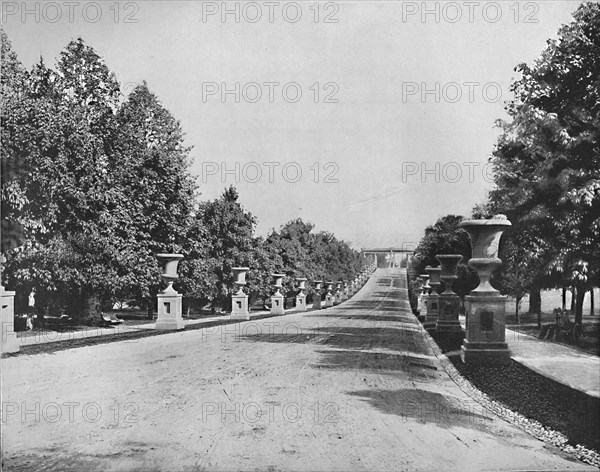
x=355 y=387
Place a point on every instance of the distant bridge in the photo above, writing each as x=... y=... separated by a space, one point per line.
x=388 y=256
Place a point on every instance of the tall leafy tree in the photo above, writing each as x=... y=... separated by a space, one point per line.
x=547 y=160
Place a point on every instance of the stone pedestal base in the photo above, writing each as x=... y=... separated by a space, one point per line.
x=316 y=304
x=10 y=343
x=485 y=341
x=424 y=308
x=430 y=326
x=433 y=308
x=169 y=311
x=448 y=314
x=277 y=305
x=484 y=353
x=239 y=307
x=301 y=302
x=329 y=299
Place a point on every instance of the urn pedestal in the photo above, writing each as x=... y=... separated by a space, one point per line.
x=449 y=302
x=316 y=304
x=301 y=297
x=277 y=299
x=424 y=297
x=10 y=343
x=338 y=294
x=329 y=296
x=239 y=299
x=345 y=292
x=433 y=300
x=418 y=289
x=169 y=301
x=485 y=341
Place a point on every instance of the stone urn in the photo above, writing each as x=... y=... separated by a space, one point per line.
x=425 y=287
x=485 y=240
x=449 y=263
x=169 y=264
x=424 y=297
x=239 y=274
x=434 y=277
x=277 y=299
x=278 y=282
x=433 y=298
x=301 y=297
x=329 y=297
x=317 y=296
x=449 y=302
x=169 y=301
x=301 y=284
x=239 y=299
x=485 y=341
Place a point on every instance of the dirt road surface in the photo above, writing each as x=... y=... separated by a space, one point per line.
x=354 y=387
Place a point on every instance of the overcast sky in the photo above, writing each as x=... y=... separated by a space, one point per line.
x=395 y=121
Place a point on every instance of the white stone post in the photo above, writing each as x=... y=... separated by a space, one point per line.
x=10 y=343
x=338 y=294
x=239 y=299
x=301 y=297
x=169 y=301
x=329 y=296
x=277 y=299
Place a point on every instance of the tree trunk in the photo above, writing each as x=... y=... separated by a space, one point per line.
x=150 y=309
x=572 y=299
x=592 y=301
x=564 y=298
x=517 y=310
x=85 y=306
x=535 y=301
x=579 y=305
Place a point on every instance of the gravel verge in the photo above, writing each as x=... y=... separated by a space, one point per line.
x=549 y=411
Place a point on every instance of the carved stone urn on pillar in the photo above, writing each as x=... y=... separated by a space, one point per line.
x=329 y=296
x=424 y=296
x=10 y=343
x=301 y=297
x=449 y=301
x=277 y=298
x=169 y=301
x=485 y=341
x=345 y=291
x=338 y=293
x=239 y=299
x=417 y=286
x=433 y=300
x=317 y=295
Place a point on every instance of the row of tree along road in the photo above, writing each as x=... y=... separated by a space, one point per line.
x=94 y=185
x=547 y=176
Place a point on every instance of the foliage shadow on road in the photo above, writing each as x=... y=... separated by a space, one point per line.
x=351 y=338
x=422 y=406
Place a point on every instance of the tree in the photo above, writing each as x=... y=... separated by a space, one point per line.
x=547 y=160
x=229 y=231
x=102 y=189
x=445 y=237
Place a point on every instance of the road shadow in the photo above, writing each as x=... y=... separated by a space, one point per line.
x=348 y=338
x=422 y=406
x=416 y=368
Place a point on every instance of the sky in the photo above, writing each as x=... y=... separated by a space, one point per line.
x=369 y=118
